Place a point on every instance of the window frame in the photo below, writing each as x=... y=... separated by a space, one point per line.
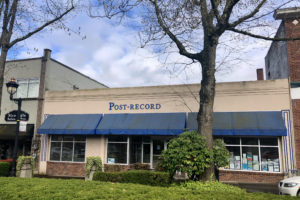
x=259 y=146
x=118 y=142
x=28 y=82
x=61 y=148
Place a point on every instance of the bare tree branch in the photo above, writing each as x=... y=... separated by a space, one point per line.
x=40 y=28
x=178 y=43
x=262 y=37
x=242 y=19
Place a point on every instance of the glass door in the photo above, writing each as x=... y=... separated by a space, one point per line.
x=158 y=147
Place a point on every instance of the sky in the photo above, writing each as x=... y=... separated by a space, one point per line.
x=111 y=54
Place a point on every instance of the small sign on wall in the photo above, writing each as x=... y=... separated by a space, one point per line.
x=110 y=160
x=23 y=126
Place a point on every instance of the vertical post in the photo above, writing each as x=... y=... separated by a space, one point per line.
x=15 y=152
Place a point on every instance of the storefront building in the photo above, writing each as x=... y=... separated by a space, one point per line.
x=129 y=125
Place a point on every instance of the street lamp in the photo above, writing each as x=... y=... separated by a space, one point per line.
x=12 y=87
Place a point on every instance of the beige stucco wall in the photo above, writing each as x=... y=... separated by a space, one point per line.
x=271 y=95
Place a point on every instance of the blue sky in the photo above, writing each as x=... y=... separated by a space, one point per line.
x=111 y=54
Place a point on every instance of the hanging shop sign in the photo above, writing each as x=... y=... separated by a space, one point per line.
x=149 y=106
x=12 y=116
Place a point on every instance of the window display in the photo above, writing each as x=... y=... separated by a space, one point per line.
x=253 y=154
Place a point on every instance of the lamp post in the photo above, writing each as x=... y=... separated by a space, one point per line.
x=12 y=87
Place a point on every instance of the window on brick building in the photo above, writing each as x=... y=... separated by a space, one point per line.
x=67 y=148
x=253 y=154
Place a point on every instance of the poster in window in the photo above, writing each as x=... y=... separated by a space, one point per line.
x=110 y=160
x=237 y=162
x=276 y=167
x=264 y=165
x=249 y=158
x=244 y=161
x=270 y=165
x=231 y=164
x=255 y=163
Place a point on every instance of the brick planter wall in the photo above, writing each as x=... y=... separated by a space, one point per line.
x=249 y=177
x=116 y=168
x=65 y=169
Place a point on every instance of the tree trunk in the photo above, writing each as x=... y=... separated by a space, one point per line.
x=2 y=68
x=207 y=95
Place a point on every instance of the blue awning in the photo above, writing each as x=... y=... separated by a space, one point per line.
x=142 y=124
x=269 y=123
x=84 y=124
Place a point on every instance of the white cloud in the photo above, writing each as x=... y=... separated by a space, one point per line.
x=111 y=54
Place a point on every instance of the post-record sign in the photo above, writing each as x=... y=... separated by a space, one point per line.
x=12 y=116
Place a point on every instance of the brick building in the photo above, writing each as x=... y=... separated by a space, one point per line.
x=283 y=61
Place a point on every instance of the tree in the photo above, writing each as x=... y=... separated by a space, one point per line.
x=23 y=18
x=195 y=28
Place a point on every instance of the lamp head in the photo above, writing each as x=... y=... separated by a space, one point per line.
x=12 y=86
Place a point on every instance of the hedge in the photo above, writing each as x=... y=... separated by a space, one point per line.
x=4 y=168
x=68 y=189
x=135 y=176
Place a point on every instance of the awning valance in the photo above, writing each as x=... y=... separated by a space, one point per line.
x=142 y=124
x=84 y=124
x=267 y=123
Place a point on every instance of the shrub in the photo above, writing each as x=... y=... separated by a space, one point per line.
x=135 y=176
x=220 y=154
x=92 y=161
x=4 y=168
x=140 y=166
x=187 y=153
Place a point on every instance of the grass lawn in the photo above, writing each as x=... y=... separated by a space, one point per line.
x=42 y=188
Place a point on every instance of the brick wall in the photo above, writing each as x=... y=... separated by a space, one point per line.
x=249 y=177
x=293 y=31
x=296 y=122
x=65 y=169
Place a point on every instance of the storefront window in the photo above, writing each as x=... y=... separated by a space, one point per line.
x=139 y=149
x=117 y=149
x=235 y=158
x=67 y=148
x=136 y=149
x=253 y=154
x=146 y=153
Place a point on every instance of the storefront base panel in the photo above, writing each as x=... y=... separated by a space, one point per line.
x=249 y=177
x=65 y=169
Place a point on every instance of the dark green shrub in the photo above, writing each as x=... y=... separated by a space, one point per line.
x=108 y=176
x=140 y=166
x=187 y=153
x=135 y=176
x=221 y=154
x=4 y=168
